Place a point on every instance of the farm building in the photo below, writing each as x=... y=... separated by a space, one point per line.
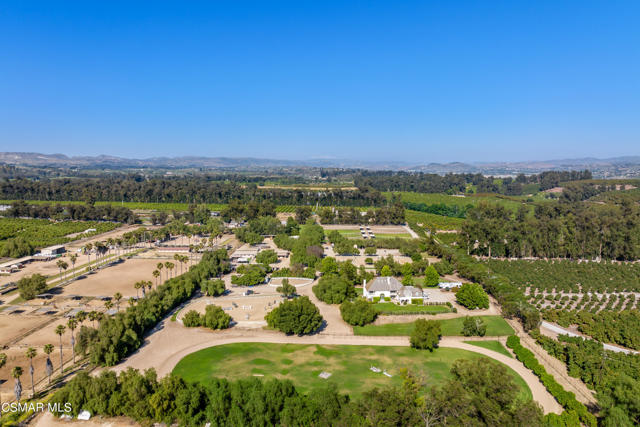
x=52 y=251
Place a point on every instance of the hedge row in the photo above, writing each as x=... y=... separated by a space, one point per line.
x=566 y=398
x=119 y=335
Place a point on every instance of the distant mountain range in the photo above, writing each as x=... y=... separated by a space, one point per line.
x=619 y=167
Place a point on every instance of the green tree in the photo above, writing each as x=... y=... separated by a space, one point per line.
x=192 y=319
x=297 y=316
x=473 y=326
x=426 y=334
x=31 y=286
x=214 y=287
x=471 y=295
x=267 y=257
x=431 y=277
x=358 y=313
x=287 y=290
x=386 y=271
x=334 y=289
x=215 y=318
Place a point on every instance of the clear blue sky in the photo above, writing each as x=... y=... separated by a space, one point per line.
x=415 y=81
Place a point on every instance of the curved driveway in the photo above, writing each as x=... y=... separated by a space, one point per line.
x=171 y=342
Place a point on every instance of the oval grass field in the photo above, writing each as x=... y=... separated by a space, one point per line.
x=349 y=365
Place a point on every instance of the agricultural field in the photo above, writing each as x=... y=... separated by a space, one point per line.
x=496 y=326
x=43 y=232
x=349 y=365
x=460 y=201
x=570 y=276
x=160 y=206
x=432 y=221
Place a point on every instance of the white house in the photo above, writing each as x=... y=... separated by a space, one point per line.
x=390 y=287
x=381 y=287
x=449 y=285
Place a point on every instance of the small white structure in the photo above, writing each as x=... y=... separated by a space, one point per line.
x=449 y=285
x=324 y=375
x=84 y=415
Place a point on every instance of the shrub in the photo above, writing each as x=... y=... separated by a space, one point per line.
x=251 y=275
x=358 y=313
x=564 y=398
x=370 y=250
x=191 y=319
x=426 y=334
x=376 y=299
x=215 y=318
x=417 y=301
x=297 y=316
x=368 y=261
x=471 y=295
x=387 y=299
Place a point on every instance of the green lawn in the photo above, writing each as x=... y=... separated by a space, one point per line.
x=348 y=364
x=491 y=345
x=391 y=308
x=393 y=235
x=496 y=326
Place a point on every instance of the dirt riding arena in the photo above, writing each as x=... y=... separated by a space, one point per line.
x=118 y=278
x=246 y=311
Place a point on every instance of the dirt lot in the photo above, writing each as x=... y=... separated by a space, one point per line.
x=247 y=311
x=119 y=278
x=13 y=326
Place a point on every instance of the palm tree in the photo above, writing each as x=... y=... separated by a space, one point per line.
x=184 y=260
x=31 y=353
x=65 y=265
x=59 y=331
x=166 y=266
x=117 y=297
x=93 y=315
x=170 y=266
x=87 y=250
x=137 y=285
x=177 y=258
x=72 y=324
x=73 y=258
x=59 y=265
x=156 y=274
x=160 y=266
x=132 y=302
x=17 y=373
x=48 y=349
x=3 y=361
x=81 y=316
x=108 y=305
